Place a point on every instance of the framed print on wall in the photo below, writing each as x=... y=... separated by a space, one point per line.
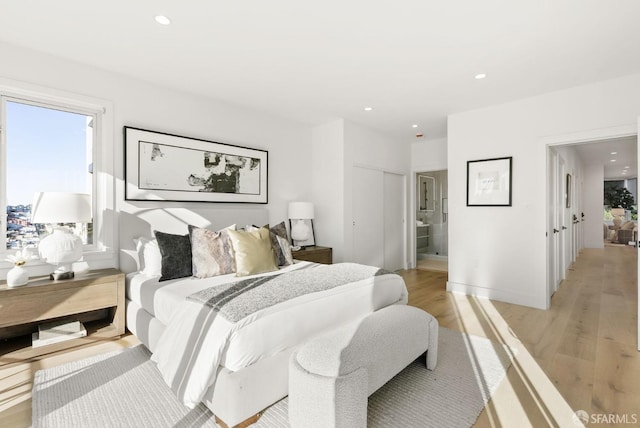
x=167 y=167
x=489 y=182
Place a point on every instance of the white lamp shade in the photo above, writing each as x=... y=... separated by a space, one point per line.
x=300 y=210
x=61 y=207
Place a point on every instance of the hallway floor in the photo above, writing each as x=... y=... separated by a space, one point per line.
x=433 y=264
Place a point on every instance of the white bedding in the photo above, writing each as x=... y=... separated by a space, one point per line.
x=257 y=336
x=161 y=299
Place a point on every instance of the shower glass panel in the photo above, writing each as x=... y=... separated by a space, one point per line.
x=432 y=223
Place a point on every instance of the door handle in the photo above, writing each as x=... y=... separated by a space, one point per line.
x=564 y=227
x=555 y=230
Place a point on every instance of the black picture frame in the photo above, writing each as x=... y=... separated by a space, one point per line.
x=489 y=182
x=160 y=166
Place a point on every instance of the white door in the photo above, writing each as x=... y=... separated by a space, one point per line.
x=562 y=244
x=552 y=220
x=394 y=224
x=368 y=203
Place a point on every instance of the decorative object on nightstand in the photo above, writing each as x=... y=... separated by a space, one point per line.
x=18 y=275
x=61 y=248
x=301 y=223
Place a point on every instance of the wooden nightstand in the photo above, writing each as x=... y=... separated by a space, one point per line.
x=315 y=254
x=88 y=297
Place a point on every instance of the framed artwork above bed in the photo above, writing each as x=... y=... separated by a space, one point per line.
x=167 y=167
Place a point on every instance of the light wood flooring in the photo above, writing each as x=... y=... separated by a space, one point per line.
x=580 y=354
x=433 y=264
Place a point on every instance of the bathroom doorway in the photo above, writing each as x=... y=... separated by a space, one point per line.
x=432 y=232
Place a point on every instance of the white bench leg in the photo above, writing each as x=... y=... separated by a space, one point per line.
x=432 y=351
x=327 y=402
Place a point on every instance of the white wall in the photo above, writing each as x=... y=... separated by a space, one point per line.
x=370 y=149
x=336 y=147
x=327 y=171
x=501 y=252
x=137 y=103
x=430 y=155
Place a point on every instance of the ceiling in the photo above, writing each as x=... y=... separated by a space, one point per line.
x=624 y=151
x=413 y=61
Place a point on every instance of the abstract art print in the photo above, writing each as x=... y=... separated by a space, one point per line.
x=166 y=167
x=489 y=182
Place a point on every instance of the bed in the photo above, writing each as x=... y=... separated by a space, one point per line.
x=247 y=369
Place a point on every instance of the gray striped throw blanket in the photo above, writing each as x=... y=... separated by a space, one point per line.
x=236 y=300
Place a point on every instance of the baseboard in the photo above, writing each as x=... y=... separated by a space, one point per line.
x=494 y=294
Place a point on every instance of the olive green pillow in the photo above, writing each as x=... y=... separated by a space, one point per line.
x=253 y=251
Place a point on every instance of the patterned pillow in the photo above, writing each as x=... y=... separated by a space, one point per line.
x=281 y=245
x=176 y=255
x=212 y=253
x=279 y=242
x=285 y=258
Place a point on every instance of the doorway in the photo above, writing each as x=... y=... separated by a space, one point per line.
x=432 y=226
x=575 y=197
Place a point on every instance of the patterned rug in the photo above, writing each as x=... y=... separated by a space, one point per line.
x=124 y=389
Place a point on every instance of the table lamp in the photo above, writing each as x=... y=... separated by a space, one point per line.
x=617 y=214
x=301 y=222
x=61 y=248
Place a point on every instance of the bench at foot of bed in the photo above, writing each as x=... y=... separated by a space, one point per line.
x=331 y=376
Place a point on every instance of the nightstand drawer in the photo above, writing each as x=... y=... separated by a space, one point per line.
x=19 y=309
x=315 y=254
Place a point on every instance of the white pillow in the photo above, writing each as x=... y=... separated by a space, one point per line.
x=149 y=257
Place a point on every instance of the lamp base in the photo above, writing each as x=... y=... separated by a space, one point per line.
x=61 y=276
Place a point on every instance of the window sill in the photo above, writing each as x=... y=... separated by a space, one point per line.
x=95 y=259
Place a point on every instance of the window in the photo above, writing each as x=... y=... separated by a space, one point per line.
x=47 y=148
x=55 y=141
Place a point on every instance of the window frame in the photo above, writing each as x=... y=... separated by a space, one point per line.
x=101 y=252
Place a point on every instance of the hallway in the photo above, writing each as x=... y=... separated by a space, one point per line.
x=583 y=348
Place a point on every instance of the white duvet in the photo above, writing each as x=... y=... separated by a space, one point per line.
x=197 y=340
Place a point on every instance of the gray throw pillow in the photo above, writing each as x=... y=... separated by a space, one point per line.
x=212 y=252
x=176 y=255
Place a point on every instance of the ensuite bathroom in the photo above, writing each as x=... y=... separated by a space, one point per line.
x=432 y=244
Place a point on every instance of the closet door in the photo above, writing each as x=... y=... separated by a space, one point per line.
x=394 y=225
x=368 y=205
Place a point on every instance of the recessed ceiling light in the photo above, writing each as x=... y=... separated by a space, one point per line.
x=624 y=172
x=414 y=126
x=481 y=76
x=626 y=167
x=612 y=160
x=162 y=20
x=614 y=153
x=368 y=108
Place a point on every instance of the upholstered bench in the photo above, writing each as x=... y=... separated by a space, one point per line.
x=332 y=375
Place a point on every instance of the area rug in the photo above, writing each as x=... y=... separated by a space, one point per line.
x=124 y=389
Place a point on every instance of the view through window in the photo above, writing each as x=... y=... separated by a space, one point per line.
x=48 y=149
